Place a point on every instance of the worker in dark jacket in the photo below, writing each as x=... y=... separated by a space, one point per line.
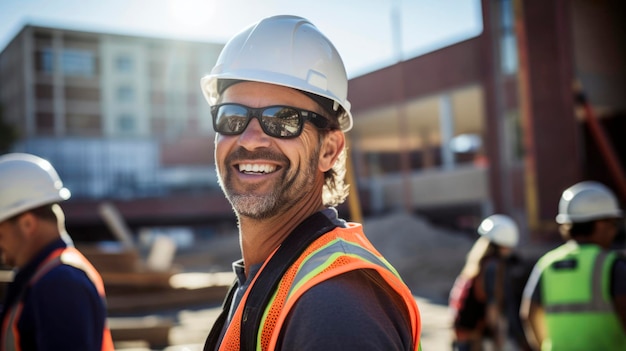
x=56 y=300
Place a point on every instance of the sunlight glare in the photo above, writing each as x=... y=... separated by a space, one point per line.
x=191 y=14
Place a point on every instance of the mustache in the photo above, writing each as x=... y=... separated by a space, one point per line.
x=241 y=154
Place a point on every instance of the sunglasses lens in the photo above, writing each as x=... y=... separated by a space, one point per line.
x=277 y=121
x=281 y=122
x=230 y=119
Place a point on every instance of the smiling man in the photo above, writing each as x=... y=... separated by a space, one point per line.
x=308 y=280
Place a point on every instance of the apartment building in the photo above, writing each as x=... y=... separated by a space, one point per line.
x=120 y=116
x=95 y=102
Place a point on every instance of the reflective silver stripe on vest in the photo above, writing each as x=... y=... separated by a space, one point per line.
x=9 y=337
x=339 y=246
x=597 y=304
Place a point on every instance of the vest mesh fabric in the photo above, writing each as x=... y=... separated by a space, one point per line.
x=336 y=263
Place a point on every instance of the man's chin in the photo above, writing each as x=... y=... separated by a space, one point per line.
x=253 y=206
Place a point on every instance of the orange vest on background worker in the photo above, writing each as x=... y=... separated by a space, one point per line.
x=68 y=256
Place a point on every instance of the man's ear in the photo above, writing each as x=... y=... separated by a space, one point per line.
x=332 y=145
x=605 y=231
x=27 y=223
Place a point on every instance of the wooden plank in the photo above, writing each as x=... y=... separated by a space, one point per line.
x=165 y=299
x=153 y=330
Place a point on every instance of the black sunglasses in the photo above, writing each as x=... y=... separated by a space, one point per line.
x=276 y=121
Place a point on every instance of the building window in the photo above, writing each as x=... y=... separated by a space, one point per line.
x=45 y=123
x=44 y=91
x=508 y=39
x=46 y=61
x=513 y=136
x=82 y=93
x=125 y=93
x=83 y=124
x=126 y=124
x=124 y=64
x=78 y=63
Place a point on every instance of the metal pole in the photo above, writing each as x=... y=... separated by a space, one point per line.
x=403 y=125
x=530 y=172
x=610 y=157
x=447 y=131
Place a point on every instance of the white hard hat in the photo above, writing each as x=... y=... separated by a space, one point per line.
x=500 y=229
x=587 y=201
x=28 y=181
x=284 y=50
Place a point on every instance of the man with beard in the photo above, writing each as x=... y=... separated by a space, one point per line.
x=308 y=280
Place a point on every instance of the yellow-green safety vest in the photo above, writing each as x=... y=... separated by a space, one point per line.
x=576 y=298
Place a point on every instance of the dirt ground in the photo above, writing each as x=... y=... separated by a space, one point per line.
x=427 y=257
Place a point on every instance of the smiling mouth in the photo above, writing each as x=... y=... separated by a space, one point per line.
x=247 y=168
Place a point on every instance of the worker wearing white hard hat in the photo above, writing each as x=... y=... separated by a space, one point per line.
x=307 y=279
x=500 y=229
x=587 y=201
x=494 y=269
x=56 y=299
x=576 y=295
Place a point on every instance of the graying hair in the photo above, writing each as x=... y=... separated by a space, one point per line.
x=335 y=189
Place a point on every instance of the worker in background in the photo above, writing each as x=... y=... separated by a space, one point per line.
x=575 y=298
x=308 y=280
x=484 y=300
x=56 y=300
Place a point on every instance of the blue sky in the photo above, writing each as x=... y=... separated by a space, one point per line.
x=362 y=30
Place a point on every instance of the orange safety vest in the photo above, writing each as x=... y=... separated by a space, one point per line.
x=338 y=251
x=69 y=256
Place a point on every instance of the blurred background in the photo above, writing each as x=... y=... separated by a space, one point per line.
x=462 y=109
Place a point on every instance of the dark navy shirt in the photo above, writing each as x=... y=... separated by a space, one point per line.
x=61 y=311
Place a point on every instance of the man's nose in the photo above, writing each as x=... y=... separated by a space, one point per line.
x=253 y=136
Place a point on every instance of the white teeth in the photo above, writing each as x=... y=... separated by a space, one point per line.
x=256 y=168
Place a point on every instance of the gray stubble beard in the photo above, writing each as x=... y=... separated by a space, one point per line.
x=287 y=193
